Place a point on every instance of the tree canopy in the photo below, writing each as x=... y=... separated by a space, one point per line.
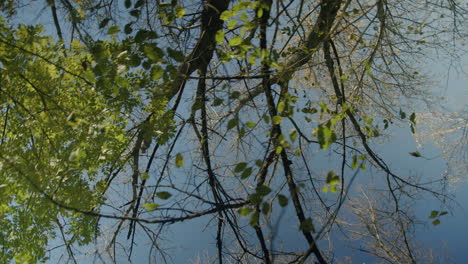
x=121 y=118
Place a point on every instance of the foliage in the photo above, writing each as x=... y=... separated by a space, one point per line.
x=170 y=111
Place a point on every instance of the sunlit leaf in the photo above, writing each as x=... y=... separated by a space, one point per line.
x=250 y=124
x=245 y=211
x=293 y=135
x=277 y=120
x=179 y=160
x=225 y=15
x=179 y=11
x=278 y=150
x=144 y=176
x=219 y=37
x=235 y=41
x=156 y=72
x=150 y=206
x=281 y=106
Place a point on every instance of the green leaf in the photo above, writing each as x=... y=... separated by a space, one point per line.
x=156 y=72
x=266 y=208
x=368 y=68
x=144 y=176
x=325 y=189
x=176 y=54
x=260 y=12
x=436 y=222
x=197 y=105
x=179 y=160
x=282 y=200
x=259 y=163
x=219 y=37
x=363 y=166
x=242 y=132
x=113 y=30
x=135 y=60
x=235 y=41
x=250 y=124
x=234 y=95
x=402 y=114
x=368 y=120
x=307 y=225
x=246 y=173
x=278 y=150
x=281 y=106
x=232 y=123
x=332 y=178
x=325 y=135
x=415 y=154
x=240 y=167
x=153 y=52
x=104 y=23
x=434 y=214
x=225 y=15
x=243 y=16
x=293 y=135
x=375 y=133
x=254 y=219
x=255 y=198
x=163 y=195
x=232 y=24
x=128 y=28
x=263 y=190
x=413 y=118
x=150 y=206
x=139 y=3
x=179 y=11
x=385 y=124
x=143 y=35
x=218 y=101
x=354 y=163
x=128 y=3
x=77 y=155
x=277 y=120
x=245 y=211
x=135 y=13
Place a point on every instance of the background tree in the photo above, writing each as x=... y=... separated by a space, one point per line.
x=142 y=114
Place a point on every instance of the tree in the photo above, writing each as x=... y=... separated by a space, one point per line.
x=143 y=114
